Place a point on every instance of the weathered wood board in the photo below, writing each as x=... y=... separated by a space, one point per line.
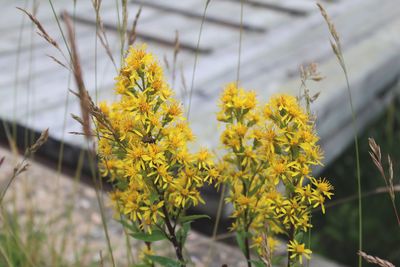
x=278 y=36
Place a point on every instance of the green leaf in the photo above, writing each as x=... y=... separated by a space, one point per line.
x=182 y=233
x=257 y=263
x=163 y=261
x=128 y=225
x=299 y=236
x=240 y=237
x=190 y=218
x=255 y=189
x=278 y=260
x=156 y=235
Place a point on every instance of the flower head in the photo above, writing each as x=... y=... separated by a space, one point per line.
x=143 y=146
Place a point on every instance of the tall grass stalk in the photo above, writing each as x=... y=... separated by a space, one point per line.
x=196 y=56
x=246 y=238
x=240 y=43
x=210 y=253
x=30 y=91
x=337 y=50
x=77 y=71
x=16 y=77
x=60 y=29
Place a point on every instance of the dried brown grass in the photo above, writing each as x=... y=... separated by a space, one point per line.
x=101 y=32
x=23 y=165
x=78 y=75
x=41 y=31
x=375 y=260
x=376 y=156
x=132 y=33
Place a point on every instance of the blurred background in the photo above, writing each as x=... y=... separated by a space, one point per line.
x=203 y=45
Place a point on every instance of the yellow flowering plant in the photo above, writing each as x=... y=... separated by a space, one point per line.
x=143 y=150
x=270 y=152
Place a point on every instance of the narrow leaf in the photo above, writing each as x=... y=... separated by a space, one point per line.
x=163 y=261
x=156 y=235
x=257 y=263
x=240 y=236
x=193 y=218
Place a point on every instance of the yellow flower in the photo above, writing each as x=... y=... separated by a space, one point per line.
x=143 y=146
x=298 y=251
x=324 y=187
x=265 y=148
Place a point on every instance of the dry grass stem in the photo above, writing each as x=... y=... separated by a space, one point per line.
x=41 y=31
x=100 y=31
x=58 y=61
x=309 y=73
x=166 y=62
x=337 y=50
x=176 y=52
x=132 y=32
x=39 y=142
x=376 y=156
x=78 y=75
x=376 y=191
x=266 y=255
x=77 y=118
x=124 y=21
x=335 y=43
x=99 y=116
x=23 y=166
x=184 y=87
x=375 y=260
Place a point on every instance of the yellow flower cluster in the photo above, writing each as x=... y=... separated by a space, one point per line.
x=142 y=147
x=270 y=154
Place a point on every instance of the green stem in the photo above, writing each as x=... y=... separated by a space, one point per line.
x=247 y=247
x=291 y=237
x=173 y=239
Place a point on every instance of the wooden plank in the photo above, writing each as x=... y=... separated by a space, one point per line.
x=199 y=16
x=294 y=8
x=367 y=79
x=291 y=46
x=168 y=41
x=269 y=63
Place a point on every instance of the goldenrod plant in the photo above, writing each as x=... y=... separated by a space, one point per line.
x=270 y=152
x=143 y=149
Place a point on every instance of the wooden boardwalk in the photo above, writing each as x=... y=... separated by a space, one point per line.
x=278 y=36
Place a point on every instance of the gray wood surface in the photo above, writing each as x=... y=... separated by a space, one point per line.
x=34 y=90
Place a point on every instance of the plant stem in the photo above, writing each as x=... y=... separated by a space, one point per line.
x=291 y=237
x=172 y=237
x=247 y=246
x=148 y=245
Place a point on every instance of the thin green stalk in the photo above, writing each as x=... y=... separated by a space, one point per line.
x=337 y=50
x=360 y=224
x=309 y=241
x=96 y=182
x=5 y=256
x=215 y=228
x=96 y=89
x=123 y=30
x=16 y=78
x=119 y=31
x=246 y=239
x=196 y=55
x=29 y=134
x=240 y=43
x=60 y=28
x=11 y=231
x=71 y=205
